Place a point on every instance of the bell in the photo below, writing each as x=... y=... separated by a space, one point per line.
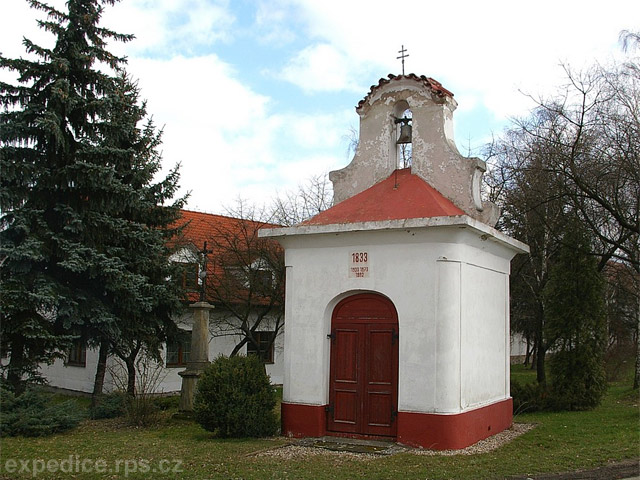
x=405 y=134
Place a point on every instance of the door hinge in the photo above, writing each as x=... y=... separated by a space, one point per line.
x=329 y=409
x=331 y=336
x=394 y=336
x=394 y=415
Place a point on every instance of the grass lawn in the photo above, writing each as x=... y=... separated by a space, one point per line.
x=560 y=442
x=523 y=375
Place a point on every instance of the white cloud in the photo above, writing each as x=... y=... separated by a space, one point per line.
x=170 y=27
x=490 y=50
x=310 y=165
x=271 y=23
x=18 y=20
x=228 y=137
x=320 y=68
x=317 y=131
x=204 y=111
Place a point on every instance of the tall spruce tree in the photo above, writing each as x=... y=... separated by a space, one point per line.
x=143 y=321
x=83 y=225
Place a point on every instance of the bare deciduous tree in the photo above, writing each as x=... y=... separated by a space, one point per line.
x=247 y=283
x=533 y=210
x=312 y=197
x=579 y=152
x=248 y=271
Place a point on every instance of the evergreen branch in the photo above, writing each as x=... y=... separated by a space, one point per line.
x=51 y=12
x=31 y=47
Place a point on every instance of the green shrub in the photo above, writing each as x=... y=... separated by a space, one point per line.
x=528 y=397
x=110 y=406
x=575 y=318
x=578 y=379
x=171 y=402
x=141 y=411
x=32 y=414
x=235 y=399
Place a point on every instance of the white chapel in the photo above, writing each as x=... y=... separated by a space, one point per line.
x=397 y=297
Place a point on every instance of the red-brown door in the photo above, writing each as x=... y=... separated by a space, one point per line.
x=363 y=388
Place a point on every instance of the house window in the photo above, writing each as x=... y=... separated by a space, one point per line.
x=178 y=350
x=266 y=342
x=77 y=356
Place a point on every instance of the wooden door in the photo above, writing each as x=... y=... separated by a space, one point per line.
x=363 y=387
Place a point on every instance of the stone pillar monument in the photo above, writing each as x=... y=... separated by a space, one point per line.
x=199 y=356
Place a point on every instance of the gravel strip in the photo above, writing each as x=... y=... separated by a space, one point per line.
x=289 y=452
x=483 y=446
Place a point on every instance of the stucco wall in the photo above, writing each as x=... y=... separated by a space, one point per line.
x=448 y=286
x=81 y=379
x=484 y=336
x=518 y=346
x=435 y=157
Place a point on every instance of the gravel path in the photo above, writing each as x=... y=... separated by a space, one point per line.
x=302 y=449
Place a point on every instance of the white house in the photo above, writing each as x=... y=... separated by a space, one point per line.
x=397 y=298
x=77 y=370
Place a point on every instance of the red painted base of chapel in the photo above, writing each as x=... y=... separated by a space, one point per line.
x=451 y=432
x=426 y=430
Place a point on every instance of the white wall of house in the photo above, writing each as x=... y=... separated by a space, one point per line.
x=80 y=379
x=449 y=285
x=518 y=345
x=75 y=378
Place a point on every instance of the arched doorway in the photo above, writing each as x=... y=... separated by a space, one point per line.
x=363 y=389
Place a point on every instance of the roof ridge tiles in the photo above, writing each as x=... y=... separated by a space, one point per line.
x=435 y=86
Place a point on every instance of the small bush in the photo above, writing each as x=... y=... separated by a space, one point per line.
x=110 y=406
x=171 y=402
x=142 y=411
x=235 y=399
x=528 y=397
x=32 y=414
x=578 y=380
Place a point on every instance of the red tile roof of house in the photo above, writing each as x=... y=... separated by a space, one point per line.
x=402 y=195
x=200 y=227
x=429 y=82
x=223 y=235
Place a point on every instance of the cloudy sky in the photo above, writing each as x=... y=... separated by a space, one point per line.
x=255 y=96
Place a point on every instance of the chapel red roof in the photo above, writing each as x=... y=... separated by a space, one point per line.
x=429 y=82
x=402 y=195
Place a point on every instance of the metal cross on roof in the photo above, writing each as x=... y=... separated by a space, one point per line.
x=402 y=56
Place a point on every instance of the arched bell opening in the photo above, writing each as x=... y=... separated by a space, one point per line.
x=403 y=121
